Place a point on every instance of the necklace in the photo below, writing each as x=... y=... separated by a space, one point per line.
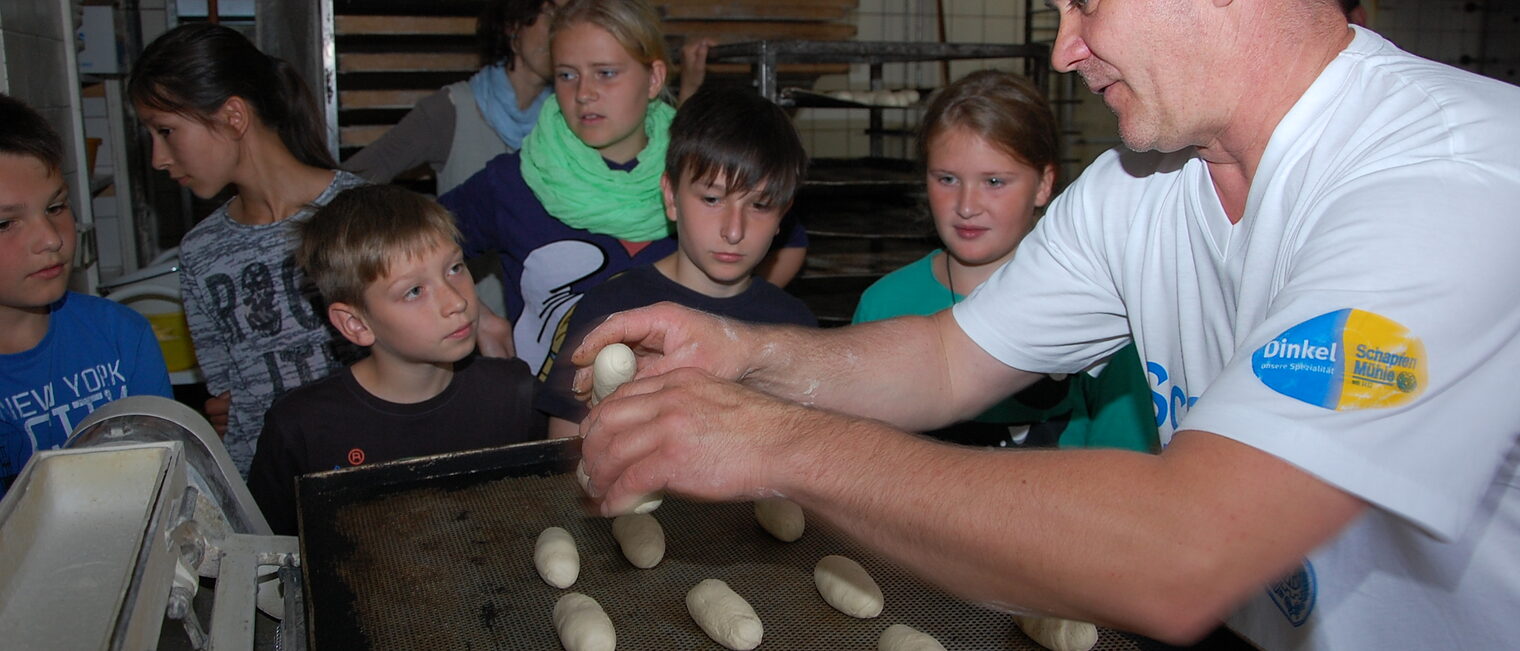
x=950 y=280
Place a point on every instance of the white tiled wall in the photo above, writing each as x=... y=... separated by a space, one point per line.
x=1480 y=35
x=35 y=70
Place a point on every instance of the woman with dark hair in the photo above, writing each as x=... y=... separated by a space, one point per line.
x=220 y=113
x=457 y=129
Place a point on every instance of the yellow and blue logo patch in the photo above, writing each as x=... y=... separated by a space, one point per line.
x=1346 y=359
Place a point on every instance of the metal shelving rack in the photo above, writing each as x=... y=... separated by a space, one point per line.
x=765 y=56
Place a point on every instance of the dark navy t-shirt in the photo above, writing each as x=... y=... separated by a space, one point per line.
x=762 y=302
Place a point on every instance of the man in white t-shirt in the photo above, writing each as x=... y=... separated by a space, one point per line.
x=1313 y=254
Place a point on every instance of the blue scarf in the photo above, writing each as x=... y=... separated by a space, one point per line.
x=498 y=104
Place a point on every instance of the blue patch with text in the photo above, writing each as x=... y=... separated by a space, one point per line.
x=1295 y=594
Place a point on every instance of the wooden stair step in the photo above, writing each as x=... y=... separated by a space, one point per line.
x=352 y=25
x=361 y=136
x=373 y=99
x=743 y=11
x=658 y=4
x=735 y=31
x=785 y=70
x=407 y=62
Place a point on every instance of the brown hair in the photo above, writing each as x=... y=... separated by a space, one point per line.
x=350 y=242
x=1005 y=109
x=632 y=23
x=736 y=133
x=24 y=132
x=498 y=25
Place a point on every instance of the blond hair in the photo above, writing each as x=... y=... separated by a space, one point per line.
x=350 y=242
x=632 y=23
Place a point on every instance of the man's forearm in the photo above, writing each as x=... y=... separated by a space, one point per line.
x=917 y=373
x=1121 y=538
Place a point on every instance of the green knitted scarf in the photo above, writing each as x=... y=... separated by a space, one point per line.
x=576 y=186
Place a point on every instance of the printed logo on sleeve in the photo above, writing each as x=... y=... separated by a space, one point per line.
x=1295 y=594
x=1347 y=359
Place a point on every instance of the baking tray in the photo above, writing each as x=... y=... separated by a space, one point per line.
x=436 y=553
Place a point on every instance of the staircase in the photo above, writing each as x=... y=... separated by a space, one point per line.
x=390 y=53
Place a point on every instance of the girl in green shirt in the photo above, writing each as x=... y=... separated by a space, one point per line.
x=988 y=147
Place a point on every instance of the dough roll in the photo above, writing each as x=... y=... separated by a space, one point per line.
x=555 y=557
x=641 y=538
x=847 y=587
x=898 y=637
x=724 y=615
x=1058 y=634
x=582 y=624
x=781 y=518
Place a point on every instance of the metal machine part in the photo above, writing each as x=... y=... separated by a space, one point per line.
x=105 y=541
x=151 y=418
x=84 y=562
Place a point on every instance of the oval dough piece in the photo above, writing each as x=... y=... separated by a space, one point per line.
x=781 y=518
x=641 y=537
x=847 y=587
x=1059 y=634
x=645 y=504
x=898 y=637
x=724 y=615
x=582 y=624
x=555 y=557
x=614 y=365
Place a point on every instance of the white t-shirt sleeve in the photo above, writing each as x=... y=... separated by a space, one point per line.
x=1056 y=306
x=1384 y=365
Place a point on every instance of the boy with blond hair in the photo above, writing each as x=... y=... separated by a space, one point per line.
x=732 y=168
x=62 y=354
x=388 y=263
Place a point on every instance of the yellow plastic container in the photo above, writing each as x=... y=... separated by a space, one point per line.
x=173 y=335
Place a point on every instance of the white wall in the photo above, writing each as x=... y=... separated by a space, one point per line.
x=1478 y=35
x=36 y=71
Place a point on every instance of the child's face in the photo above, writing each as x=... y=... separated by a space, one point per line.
x=196 y=155
x=983 y=199
x=36 y=234
x=602 y=91
x=423 y=310
x=723 y=234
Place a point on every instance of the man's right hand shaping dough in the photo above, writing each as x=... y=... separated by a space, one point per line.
x=667 y=336
x=696 y=435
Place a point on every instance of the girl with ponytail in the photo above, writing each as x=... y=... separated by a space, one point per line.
x=221 y=113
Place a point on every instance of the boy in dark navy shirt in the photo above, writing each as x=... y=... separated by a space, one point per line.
x=388 y=262
x=731 y=171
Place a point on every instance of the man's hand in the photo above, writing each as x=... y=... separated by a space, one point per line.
x=494 y=339
x=693 y=67
x=692 y=434
x=216 y=412
x=666 y=336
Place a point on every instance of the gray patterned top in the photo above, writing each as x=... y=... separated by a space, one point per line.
x=258 y=325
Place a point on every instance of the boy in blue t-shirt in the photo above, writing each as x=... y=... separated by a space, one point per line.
x=731 y=171
x=62 y=354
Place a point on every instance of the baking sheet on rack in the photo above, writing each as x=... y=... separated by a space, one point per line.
x=449 y=566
